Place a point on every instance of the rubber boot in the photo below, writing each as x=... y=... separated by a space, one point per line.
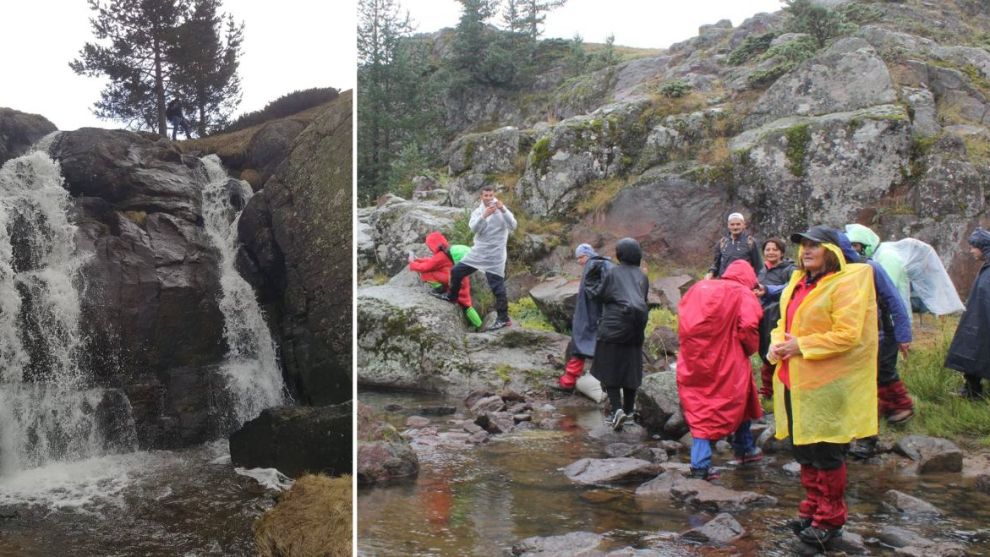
x=572 y=371
x=473 y=317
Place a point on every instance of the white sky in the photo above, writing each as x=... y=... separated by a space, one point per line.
x=638 y=23
x=288 y=45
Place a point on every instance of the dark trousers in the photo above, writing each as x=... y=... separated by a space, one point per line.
x=625 y=400
x=177 y=123
x=887 y=360
x=495 y=283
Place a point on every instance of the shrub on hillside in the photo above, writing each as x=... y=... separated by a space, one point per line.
x=286 y=105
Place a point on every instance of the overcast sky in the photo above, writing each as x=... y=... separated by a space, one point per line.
x=639 y=23
x=288 y=45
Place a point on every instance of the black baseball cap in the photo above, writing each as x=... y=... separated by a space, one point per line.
x=819 y=233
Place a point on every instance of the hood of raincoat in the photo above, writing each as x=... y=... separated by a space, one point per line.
x=852 y=256
x=833 y=381
x=436 y=240
x=980 y=239
x=628 y=251
x=740 y=271
x=862 y=235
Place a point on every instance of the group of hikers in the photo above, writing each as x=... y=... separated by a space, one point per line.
x=828 y=328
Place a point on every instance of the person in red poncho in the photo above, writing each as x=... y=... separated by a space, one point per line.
x=435 y=270
x=719 y=328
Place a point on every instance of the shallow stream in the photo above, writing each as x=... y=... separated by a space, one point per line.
x=480 y=500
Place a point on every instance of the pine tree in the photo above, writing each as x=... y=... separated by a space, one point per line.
x=139 y=33
x=535 y=14
x=205 y=59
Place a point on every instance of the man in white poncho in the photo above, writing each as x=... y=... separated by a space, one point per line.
x=491 y=222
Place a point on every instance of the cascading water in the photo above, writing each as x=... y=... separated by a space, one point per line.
x=251 y=367
x=49 y=410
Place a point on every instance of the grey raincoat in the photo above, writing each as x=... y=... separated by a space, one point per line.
x=488 y=253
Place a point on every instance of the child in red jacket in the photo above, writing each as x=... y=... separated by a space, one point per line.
x=435 y=270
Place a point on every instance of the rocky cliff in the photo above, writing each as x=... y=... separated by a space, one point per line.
x=885 y=124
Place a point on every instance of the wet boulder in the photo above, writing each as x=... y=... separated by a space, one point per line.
x=296 y=440
x=658 y=401
x=931 y=454
x=556 y=299
x=660 y=485
x=399 y=226
x=610 y=470
x=575 y=544
x=897 y=501
x=19 y=131
x=723 y=529
x=911 y=544
x=383 y=454
x=301 y=247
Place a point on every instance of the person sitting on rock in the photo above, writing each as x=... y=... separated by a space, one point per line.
x=719 y=329
x=435 y=271
x=173 y=113
x=587 y=311
x=618 y=362
x=736 y=244
x=970 y=350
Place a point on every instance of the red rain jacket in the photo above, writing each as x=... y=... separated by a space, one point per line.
x=718 y=326
x=437 y=267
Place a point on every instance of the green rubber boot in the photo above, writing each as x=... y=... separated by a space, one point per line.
x=473 y=317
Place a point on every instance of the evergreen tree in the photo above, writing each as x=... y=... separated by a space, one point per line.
x=535 y=14
x=205 y=59
x=140 y=33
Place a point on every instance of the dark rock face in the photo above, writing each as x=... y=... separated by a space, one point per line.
x=271 y=145
x=296 y=440
x=150 y=311
x=19 y=130
x=297 y=253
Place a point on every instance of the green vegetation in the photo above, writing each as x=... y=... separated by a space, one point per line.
x=822 y=23
x=286 y=105
x=751 y=47
x=798 y=138
x=788 y=55
x=675 y=89
x=540 y=154
x=598 y=195
x=938 y=411
x=860 y=14
x=659 y=317
x=528 y=316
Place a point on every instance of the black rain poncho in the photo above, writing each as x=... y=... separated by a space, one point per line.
x=970 y=348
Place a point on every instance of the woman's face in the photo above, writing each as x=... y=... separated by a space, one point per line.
x=771 y=253
x=812 y=256
x=976 y=252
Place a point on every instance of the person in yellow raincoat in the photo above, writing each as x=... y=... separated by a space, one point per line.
x=825 y=392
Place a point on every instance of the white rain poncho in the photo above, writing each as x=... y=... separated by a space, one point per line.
x=929 y=280
x=488 y=253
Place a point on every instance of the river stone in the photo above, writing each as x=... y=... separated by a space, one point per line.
x=19 y=131
x=576 y=544
x=296 y=440
x=556 y=299
x=631 y=433
x=488 y=404
x=664 y=340
x=496 y=422
x=660 y=485
x=911 y=544
x=675 y=426
x=714 y=498
x=610 y=470
x=722 y=529
x=932 y=454
x=983 y=483
x=657 y=400
x=672 y=447
x=902 y=502
x=417 y=421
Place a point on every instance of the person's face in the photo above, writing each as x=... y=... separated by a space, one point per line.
x=736 y=226
x=772 y=253
x=812 y=256
x=976 y=252
x=487 y=196
x=582 y=259
x=859 y=248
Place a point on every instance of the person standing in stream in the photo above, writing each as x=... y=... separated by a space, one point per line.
x=618 y=362
x=491 y=222
x=587 y=311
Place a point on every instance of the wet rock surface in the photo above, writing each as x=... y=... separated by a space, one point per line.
x=931 y=454
x=610 y=470
x=720 y=530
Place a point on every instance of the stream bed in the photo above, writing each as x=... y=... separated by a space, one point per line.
x=479 y=500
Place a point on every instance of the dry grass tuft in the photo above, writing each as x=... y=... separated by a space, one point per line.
x=313 y=519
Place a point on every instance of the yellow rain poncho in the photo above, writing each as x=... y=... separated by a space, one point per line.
x=834 y=379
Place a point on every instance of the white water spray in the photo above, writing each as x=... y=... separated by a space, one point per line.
x=48 y=412
x=251 y=367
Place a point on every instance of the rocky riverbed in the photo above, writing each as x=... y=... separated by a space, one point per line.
x=562 y=484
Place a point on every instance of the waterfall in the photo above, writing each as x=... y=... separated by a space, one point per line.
x=251 y=367
x=49 y=410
